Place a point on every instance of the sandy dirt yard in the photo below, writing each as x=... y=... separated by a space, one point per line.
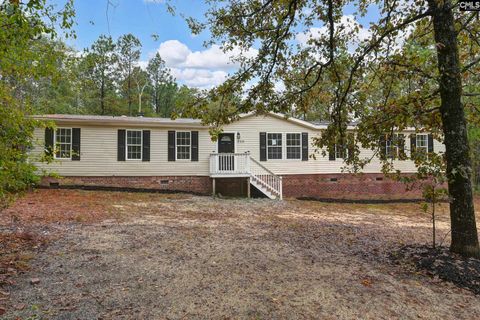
x=106 y=255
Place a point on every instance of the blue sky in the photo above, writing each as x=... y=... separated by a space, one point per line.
x=139 y=17
x=190 y=62
x=144 y=18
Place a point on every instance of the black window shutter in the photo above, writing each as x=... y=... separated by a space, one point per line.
x=76 y=144
x=263 y=146
x=171 y=145
x=430 y=143
x=121 y=145
x=383 y=147
x=331 y=152
x=413 y=145
x=146 y=145
x=401 y=147
x=49 y=142
x=194 y=140
x=304 y=146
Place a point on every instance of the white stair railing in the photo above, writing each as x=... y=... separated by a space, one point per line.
x=266 y=178
x=242 y=164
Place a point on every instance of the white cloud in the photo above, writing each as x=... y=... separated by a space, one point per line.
x=178 y=55
x=203 y=68
x=173 y=52
x=279 y=86
x=348 y=22
x=142 y=64
x=354 y=30
x=199 y=78
x=215 y=57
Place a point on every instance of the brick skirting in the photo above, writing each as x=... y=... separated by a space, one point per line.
x=347 y=186
x=332 y=186
x=193 y=184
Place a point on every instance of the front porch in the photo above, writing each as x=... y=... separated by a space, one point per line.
x=243 y=165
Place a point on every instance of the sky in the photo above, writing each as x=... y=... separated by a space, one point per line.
x=190 y=62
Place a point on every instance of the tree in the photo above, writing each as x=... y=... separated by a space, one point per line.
x=140 y=78
x=100 y=61
x=459 y=167
x=53 y=92
x=184 y=99
x=23 y=25
x=337 y=53
x=128 y=52
x=163 y=86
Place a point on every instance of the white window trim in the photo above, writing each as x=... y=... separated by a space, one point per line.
x=176 y=146
x=126 y=144
x=426 y=141
x=55 y=143
x=301 y=146
x=282 y=145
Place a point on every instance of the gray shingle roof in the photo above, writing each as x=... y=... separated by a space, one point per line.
x=124 y=119
x=162 y=122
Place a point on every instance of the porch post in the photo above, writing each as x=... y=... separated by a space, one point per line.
x=281 y=188
x=213 y=187
x=248 y=187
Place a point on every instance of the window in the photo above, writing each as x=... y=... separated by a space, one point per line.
x=391 y=146
x=341 y=151
x=63 y=143
x=274 y=146
x=226 y=138
x=134 y=144
x=294 y=146
x=422 y=143
x=183 y=145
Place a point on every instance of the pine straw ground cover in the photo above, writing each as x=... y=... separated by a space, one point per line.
x=111 y=255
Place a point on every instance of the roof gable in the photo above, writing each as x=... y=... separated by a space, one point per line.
x=284 y=117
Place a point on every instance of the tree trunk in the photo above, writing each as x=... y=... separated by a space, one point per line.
x=102 y=97
x=139 y=103
x=157 y=103
x=129 y=98
x=462 y=214
x=434 y=203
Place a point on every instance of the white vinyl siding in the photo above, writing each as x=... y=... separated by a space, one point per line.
x=63 y=143
x=99 y=151
x=250 y=128
x=99 y=155
x=183 y=145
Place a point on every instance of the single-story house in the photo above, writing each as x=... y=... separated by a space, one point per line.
x=269 y=155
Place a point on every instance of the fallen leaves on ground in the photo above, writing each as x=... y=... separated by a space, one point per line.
x=441 y=263
x=131 y=255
